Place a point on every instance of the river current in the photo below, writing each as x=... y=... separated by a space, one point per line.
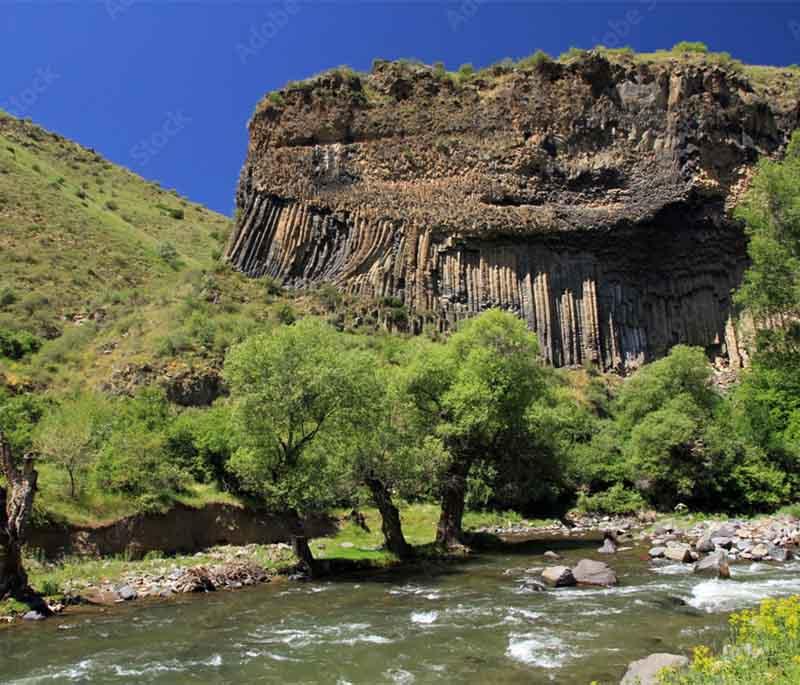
x=475 y=622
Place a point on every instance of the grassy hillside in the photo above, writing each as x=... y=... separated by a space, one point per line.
x=101 y=265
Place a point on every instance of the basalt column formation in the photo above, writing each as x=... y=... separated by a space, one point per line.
x=592 y=198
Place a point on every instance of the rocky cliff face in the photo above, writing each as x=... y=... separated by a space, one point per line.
x=592 y=198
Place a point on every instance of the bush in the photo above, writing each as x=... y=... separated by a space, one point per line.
x=285 y=314
x=687 y=47
x=18 y=344
x=112 y=206
x=168 y=252
x=272 y=286
x=764 y=647
x=7 y=297
x=572 y=53
x=535 y=61
x=465 y=73
x=618 y=499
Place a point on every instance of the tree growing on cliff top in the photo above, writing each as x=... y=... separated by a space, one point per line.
x=472 y=393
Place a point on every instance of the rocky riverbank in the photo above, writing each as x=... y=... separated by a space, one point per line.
x=111 y=582
x=712 y=545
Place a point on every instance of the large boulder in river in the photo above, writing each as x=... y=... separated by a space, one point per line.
x=588 y=572
x=558 y=576
x=715 y=565
x=679 y=551
x=705 y=544
x=646 y=671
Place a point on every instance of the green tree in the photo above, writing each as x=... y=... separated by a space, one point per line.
x=288 y=389
x=771 y=288
x=379 y=447
x=472 y=394
x=68 y=437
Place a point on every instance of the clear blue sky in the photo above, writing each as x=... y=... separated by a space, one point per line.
x=166 y=87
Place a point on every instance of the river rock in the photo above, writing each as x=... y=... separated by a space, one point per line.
x=645 y=671
x=550 y=554
x=558 y=576
x=588 y=572
x=99 y=597
x=657 y=552
x=127 y=593
x=608 y=547
x=723 y=542
x=679 y=551
x=779 y=553
x=726 y=530
x=715 y=565
x=705 y=544
x=759 y=551
x=33 y=616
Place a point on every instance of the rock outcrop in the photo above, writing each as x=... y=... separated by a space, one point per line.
x=592 y=198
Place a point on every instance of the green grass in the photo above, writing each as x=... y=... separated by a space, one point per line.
x=94 y=508
x=419 y=528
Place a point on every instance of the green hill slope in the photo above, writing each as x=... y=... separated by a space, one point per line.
x=106 y=268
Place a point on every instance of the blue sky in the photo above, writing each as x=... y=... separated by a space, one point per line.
x=166 y=88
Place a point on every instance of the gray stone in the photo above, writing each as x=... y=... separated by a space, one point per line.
x=550 y=554
x=705 y=545
x=779 y=553
x=127 y=593
x=726 y=530
x=588 y=572
x=33 y=616
x=645 y=671
x=724 y=542
x=608 y=547
x=558 y=576
x=679 y=551
x=657 y=552
x=715 y=565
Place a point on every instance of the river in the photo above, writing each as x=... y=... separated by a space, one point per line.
x=473 y=622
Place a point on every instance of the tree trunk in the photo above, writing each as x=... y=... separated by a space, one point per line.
x=16 y=503
x=454 y=490
x=390 y=517
x=303 y=552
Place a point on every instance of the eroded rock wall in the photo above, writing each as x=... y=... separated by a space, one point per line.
x=592 y=199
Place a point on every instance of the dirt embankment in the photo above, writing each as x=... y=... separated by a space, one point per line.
x=180 y=530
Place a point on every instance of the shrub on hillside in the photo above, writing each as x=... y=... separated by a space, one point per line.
x=535 y=61
x=688 y=46
x=18 y=344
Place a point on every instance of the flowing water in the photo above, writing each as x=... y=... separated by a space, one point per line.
x=474 y=622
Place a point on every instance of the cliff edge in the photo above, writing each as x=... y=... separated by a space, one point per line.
x=591 y=196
